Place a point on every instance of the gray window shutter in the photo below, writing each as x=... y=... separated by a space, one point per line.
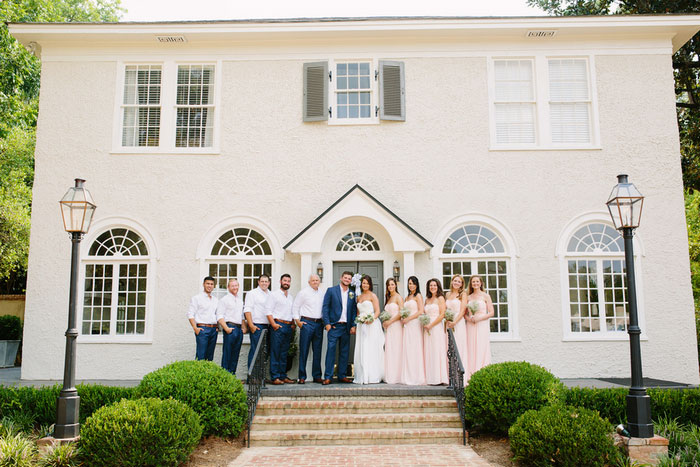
x=392 y=92
x=315 y=91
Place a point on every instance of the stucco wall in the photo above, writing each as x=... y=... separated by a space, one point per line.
x=429 y=169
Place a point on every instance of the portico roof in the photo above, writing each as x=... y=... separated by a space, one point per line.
x=358 y=202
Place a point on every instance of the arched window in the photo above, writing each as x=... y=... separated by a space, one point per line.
x=240 y=253
x=115 y=291
x=597 y=282
x=357 y=241
x=476 y=249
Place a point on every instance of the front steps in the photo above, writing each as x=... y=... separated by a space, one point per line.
x=356 y=417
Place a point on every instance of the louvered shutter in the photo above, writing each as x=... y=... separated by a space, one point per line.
x=392 y=92
x=569 y=101
x=315 y=91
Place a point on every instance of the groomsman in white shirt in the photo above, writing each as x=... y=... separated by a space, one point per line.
x=202 y=316
x=255 y=313
x=307 y=311
x=229 y=315
x=279 y=315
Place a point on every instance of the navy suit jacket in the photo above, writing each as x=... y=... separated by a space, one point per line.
x=333 y=306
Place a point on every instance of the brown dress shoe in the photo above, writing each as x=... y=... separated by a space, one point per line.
x=326 y=382
x=318 y=380
x=277 y=382
x=345 y=380
x=301 y=381
x=288 y=381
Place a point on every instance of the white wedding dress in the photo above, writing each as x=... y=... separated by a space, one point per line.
x=369 y=348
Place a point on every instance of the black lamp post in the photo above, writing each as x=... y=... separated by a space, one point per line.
x=77 y=209
x=625 y=206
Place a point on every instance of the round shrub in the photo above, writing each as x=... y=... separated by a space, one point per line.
x=562 y=435
x=498 y=394
x=143 y=432
x=214 y=393
x=10 y=328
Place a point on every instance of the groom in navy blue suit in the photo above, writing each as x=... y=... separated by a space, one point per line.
x=339 y=311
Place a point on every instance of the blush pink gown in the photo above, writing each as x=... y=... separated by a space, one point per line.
x=413 y=361
x=435 y=349
x=460 y=331
x=393 y=347
x=478 y=342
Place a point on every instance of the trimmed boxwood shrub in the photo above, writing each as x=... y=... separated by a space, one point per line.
x=142 y=432
x=40 y=403
x=214 y=393
x=610 y=403
x=562 y=435
x=10 y=328
x=498 y=394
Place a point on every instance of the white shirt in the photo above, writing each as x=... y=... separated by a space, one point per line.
x=279 y=305
x=203 y=309
x=344 y=299
x=255 y=305
x=230 y=308
x=309 y=303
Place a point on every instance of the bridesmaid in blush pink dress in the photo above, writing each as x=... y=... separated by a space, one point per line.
x=478 y=328
x=393 y=340
x=434 y=337
x=413 y=361
x=456 y=300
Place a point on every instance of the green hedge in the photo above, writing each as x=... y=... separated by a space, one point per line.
x=498 y=394
x=142 y=432
x=10 y=328
x=40 y=403
x=214 y=393
x=610 y=403
x=562 y=435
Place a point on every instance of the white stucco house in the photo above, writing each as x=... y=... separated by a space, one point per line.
x=446 y=145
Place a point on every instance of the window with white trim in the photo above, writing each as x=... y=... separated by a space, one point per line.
x=115 y=292
x=540 y=102
x=597 y=283
x=476 y=249
x=240 y=253
x=168 y=107
x=357 y=241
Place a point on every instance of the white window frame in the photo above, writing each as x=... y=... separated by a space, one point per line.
x=97 y=229
x=565 y=257
x=509 y=256
x=168 y=109
x=543 y=133
x=332 y=93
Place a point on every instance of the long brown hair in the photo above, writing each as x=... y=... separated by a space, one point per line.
x=439 y=289
x=460 y=291
x=470 y=290
x=386 y=289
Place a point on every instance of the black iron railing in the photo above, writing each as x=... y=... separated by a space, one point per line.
x=457 y=379
x=256 y=378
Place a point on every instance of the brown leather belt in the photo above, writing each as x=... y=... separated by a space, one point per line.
x=233 y=325
x=202 y=325
x=313 y=320
x=283 y=321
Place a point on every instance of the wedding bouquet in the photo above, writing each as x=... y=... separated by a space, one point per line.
x=405 y=313
x=473 y=307
x=365 y=318
x=449 y=315
x=424 y=320
x=384 y=316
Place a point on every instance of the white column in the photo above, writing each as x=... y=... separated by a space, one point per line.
x=306 y=268
x=409 y=269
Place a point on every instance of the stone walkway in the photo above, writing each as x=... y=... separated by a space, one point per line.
x=433 y=455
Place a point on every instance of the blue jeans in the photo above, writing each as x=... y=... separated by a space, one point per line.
x=281 y=338
x=338 y=336
x=254 y=338
x=231 y=348
x=206 y=343
x=310 y=336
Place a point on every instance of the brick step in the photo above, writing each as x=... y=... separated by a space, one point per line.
x=354 y=437
x=318 y=406
x=357 y=421
x=352 y=397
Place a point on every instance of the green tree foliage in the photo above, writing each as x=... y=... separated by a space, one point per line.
x=19 y=105
x=686 y=66
x=692 y=218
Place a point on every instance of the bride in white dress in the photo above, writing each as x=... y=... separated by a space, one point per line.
x=369 y=343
